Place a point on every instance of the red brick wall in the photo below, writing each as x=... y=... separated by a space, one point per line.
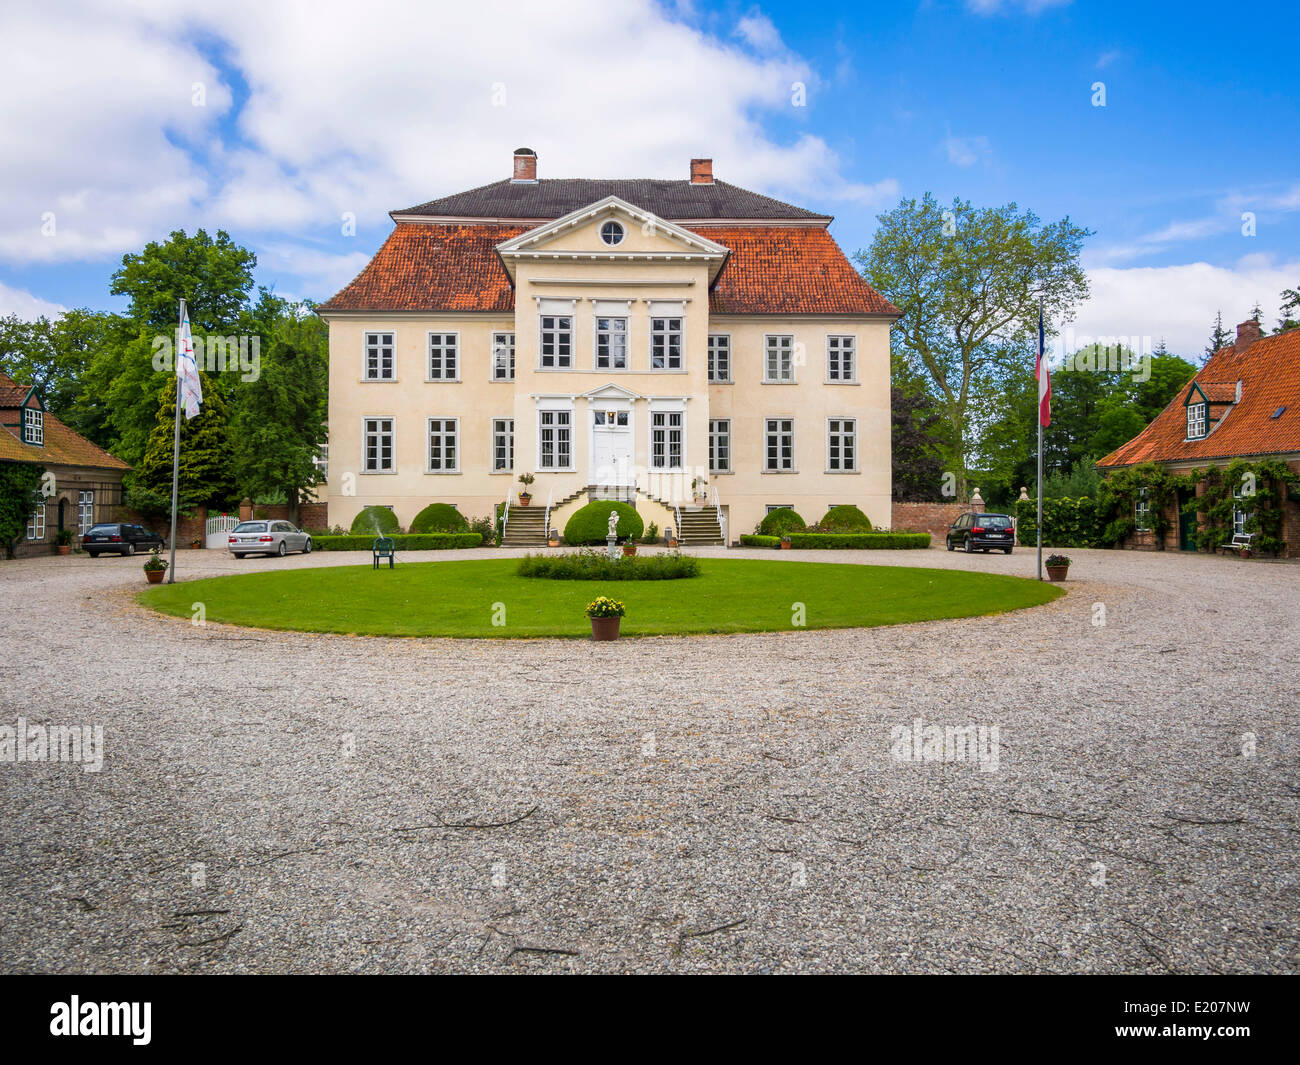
x=933 y=518
x=310 y=515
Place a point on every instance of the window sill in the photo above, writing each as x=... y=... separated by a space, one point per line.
x=778 y=473
x=442 y=473
x=831 y=381
x=722 y=473
x=442 y=380
x=377 y=473
x=728 y=381
x=379 y=380
x=780 y=382
x=839 y=472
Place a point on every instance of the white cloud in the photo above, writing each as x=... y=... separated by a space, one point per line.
x=996 y=7
x=965 y=151
x=367 y=108
x=28 y=307
x=1179 y=302
x=1106 y=59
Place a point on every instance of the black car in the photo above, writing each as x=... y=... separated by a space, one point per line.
x=120 y=538
x=982 y=532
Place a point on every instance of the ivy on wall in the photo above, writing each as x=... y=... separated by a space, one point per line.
x=1118 y=499
x=1259 y=488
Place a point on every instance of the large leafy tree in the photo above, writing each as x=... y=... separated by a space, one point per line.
x=917 y=437
x=279 y=419
x=207 y=466
x=970 y=282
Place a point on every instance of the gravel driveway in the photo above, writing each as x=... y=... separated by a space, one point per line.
x=273 y=802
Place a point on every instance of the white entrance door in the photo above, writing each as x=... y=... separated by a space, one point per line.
x=611 y=451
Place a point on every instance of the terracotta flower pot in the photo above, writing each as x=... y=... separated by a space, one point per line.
x=65 y=549
x=605 y=628
x=1057 y=573
x=785 y=545
x=629 y=550
x=524 y=499
x=154 y=576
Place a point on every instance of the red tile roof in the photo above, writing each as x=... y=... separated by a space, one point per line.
x=453 y=267
x=63 y=446
x=1269 y=371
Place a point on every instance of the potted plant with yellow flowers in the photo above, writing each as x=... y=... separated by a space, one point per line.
x=605 y=614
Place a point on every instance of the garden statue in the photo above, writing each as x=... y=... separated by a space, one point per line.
x=613 y=523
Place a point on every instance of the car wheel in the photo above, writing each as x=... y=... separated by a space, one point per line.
x=130 y=550
x=306 y=548
x=282 y=550
x=93 y=554
x=948 y=540
x=970 y=546
x=1007 y=550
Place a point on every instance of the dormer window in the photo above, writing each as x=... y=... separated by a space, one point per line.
x=612 y=233
x=33 y=427
x=1197 y=419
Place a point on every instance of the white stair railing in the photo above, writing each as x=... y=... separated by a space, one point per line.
x=546 y=524
x=722 y=518
x=505 y=517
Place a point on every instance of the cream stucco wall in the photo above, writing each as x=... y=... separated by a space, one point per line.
x=586 y=273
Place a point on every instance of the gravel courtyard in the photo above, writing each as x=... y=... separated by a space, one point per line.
x=278 y=802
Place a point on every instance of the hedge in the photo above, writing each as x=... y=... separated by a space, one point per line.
x=376 y=521
x=780 y=521
x=598 y=566
x=1066 y=523
x=848 y=541
x=408 y=542
x=845 y=519
x=590 y=524
x=439 y=518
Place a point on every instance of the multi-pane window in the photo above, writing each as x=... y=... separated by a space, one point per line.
x=1142 y=511
x=85 y=510
x=377 y=445
x=503 y=444
x=557 y=342
x=503 y=356
x=1240 y=515
x=779 y=362
x=841 y=444
x=719 y=445
x=611 y=343
x=719 y=357
x=321 y=460
x=381 y=357
x=841 y=358
x=443 y=365
x=444 y=450
x=665 y=343
x=36 y=523
x=555 y=450
x=779 y=444
x=666 y=439
x=1196 y=421
x=33 y=427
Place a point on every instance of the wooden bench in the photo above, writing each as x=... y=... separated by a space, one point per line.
x=1243 y=542
x=383 y=547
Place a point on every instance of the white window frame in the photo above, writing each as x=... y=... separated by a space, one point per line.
x=497 y=372
x=444 y=435
x=557 y=331
x=390 y=432
x=1200 y=421
x=720 y=431
x=768 y=431
x=1142 y=511
x=661 y=336
x=603 y=333
x=842 y=359
x=36 y=523
x=773 y=343
x=558 y=427
x=662 y=462
x=724 y=348
x=33 y=426
x=1240 y=515
x=503 y=431
x=443 y=376
x=835 y=428
x=372 y=338
x=85 y=509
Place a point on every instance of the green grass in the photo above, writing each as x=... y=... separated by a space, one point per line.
x=457 y=598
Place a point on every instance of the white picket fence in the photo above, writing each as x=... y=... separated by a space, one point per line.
x=219 y=529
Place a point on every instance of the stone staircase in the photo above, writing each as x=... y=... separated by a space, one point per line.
x=526 y=527
x=700 y=527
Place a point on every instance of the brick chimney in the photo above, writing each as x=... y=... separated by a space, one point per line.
x=1247 y=334
x=525 y=166
x=701 y=171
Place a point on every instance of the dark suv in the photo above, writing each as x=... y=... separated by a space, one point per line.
x=982 y=532
x=120 y=538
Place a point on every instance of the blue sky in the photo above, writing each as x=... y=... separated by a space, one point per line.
x=275 y=122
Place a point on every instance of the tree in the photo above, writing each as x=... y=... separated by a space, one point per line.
x=1218 y=337
x=214 y=277
x=969 y=283
x=279 y=420
x=20 y=495
x=207 y=459
x=1290 y=309
x=917 y=441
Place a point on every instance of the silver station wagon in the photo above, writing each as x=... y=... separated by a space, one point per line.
x=267 y=538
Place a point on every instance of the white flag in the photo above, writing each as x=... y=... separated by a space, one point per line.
x=186 y=368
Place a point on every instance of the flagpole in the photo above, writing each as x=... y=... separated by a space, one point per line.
x=176 y=458
x=1042 y=369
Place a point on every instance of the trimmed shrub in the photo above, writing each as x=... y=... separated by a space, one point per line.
x=408 y=542
x=598 y=566
x=845 y=519
x=1066 y=523
x=590 y=524
x=846 y=541
x=781 y=521
x=439 y=518
x=375 y=521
